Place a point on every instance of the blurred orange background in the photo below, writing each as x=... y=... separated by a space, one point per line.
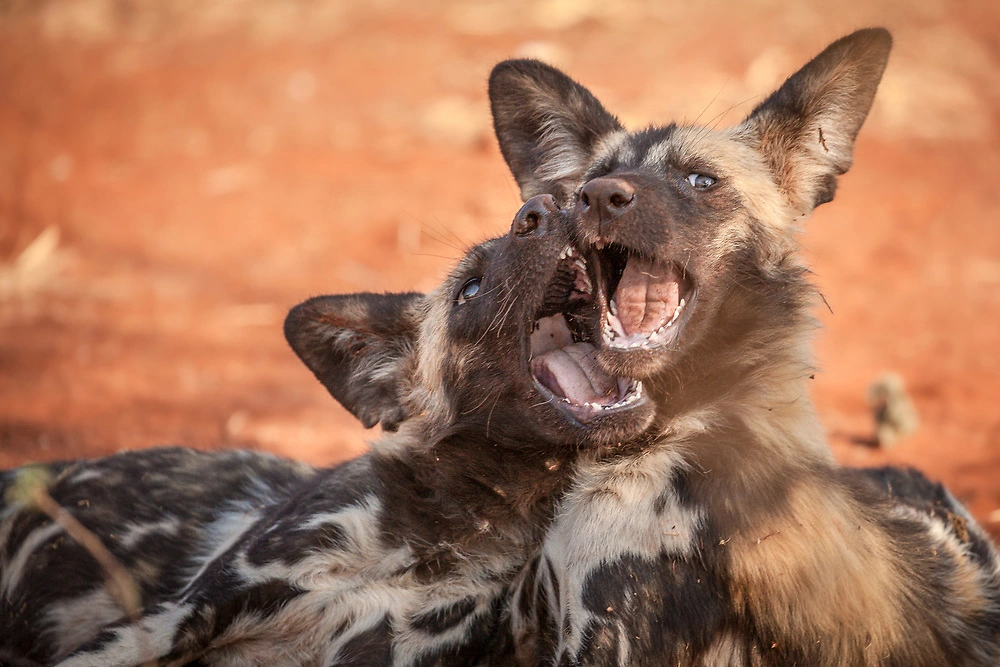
x=176 y=174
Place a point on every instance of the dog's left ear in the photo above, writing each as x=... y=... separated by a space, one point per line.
x=806 y=129
x=548 y=126
x=362 y=348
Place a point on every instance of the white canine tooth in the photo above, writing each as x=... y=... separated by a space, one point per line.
x=681 y=304
x=614 y=307
x=562 y=255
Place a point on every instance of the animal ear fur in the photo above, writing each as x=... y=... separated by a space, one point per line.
x=806 y=129
x=362 y=348
x=547 y=124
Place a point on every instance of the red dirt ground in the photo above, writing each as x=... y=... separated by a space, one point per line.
x=174 y=176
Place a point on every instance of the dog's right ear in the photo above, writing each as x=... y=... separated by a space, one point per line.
x=362 y=348
x=547 y=124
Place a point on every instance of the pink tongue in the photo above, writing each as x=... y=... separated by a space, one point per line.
x=570 y=372
x=647 y=295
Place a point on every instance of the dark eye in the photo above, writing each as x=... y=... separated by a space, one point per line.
x=469 y=290
x=700 y=181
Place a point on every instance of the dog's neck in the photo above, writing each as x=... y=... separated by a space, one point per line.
x=736 y=413
x=470 y=494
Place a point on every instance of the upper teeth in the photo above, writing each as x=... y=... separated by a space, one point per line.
x=583 y=280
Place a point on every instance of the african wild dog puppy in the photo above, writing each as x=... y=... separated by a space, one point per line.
x=404 y=556
x=734 y=539
x=160 y=512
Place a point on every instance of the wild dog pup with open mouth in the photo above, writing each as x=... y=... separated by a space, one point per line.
x=734 y=539
x=404 y=556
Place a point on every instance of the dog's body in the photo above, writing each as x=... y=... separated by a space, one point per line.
x=160 y=512
x=735 y=539
x=403 y=556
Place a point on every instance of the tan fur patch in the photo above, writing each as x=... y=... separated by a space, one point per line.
x=818 y=568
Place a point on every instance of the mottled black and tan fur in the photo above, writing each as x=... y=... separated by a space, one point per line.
x=734 y=539
x=403 y=556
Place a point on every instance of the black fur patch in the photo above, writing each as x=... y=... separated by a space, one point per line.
x=212 y=618
x=371 y=647
x=659 y=605
x=486 y=639
x=437 y=621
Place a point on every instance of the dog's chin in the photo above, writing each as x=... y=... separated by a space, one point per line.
x=644 y=363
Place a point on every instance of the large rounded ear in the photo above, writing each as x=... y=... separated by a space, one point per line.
x=547 y=124
x=362 y=348
x=806 y=129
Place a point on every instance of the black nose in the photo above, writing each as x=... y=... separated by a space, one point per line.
x=605 y=199
x=536 y=216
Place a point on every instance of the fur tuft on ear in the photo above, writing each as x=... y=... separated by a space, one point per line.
x=361 y=347
x=547 y=124
x=806 y=129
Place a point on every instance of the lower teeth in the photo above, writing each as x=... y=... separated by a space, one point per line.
x=633 y=394
x=655 y=337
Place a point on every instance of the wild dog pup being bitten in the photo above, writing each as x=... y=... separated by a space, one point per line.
x=404 y=555
x=160 y=513
x=734 y=539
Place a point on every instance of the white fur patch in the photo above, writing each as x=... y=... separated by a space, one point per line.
x=614 y=509
x=137 y=532
x=219 y=536
x=77 y=620
x=87 y=475
x=134 y=644
x=14 y=570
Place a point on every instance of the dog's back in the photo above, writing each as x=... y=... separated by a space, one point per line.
x=160 y=512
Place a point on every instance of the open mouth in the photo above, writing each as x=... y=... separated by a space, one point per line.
x=563 y=355
x=647 y=302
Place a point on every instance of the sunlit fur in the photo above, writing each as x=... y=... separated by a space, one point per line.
x=735 y=539
x=403 y=556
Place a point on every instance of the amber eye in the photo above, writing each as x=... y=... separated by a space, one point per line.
x=469 y=290
x=700 y=181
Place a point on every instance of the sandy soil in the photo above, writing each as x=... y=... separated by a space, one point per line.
x=174 y=176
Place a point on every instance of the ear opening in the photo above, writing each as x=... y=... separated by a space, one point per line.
x=806 y=129
x=548 y=126
x=362 y=348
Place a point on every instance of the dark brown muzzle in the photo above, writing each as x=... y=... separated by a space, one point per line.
x=538 y=216
x=602 y=202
